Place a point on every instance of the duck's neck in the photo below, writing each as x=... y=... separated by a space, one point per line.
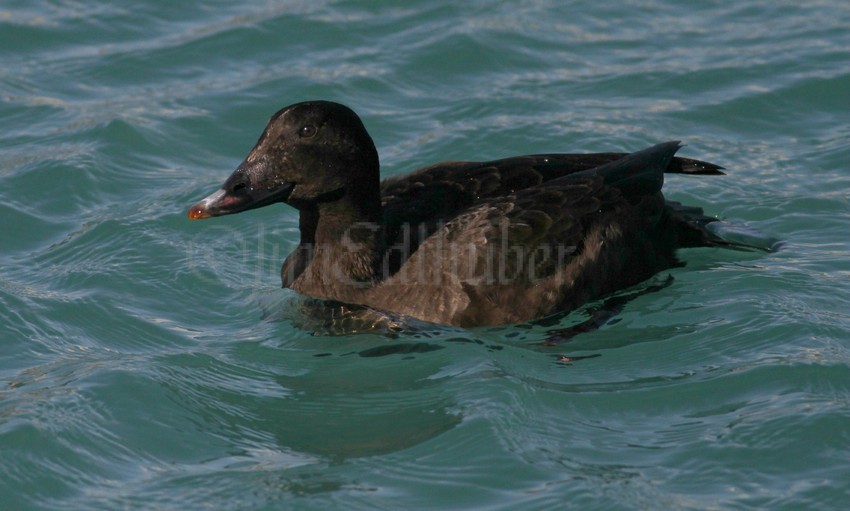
x=346 y=240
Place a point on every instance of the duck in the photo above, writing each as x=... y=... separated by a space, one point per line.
x=463 y=243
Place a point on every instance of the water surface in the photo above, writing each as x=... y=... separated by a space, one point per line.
x=149 y=362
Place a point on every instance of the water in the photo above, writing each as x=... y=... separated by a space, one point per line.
x=149 y=362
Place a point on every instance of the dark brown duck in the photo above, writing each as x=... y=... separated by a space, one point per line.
x=461 y=243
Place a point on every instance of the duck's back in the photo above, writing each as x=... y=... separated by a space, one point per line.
x=415 y=205
x=543 y=248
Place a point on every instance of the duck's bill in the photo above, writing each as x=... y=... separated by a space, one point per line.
x=225 y=202
x=215 y=204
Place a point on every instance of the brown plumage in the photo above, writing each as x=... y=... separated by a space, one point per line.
x=462 y=243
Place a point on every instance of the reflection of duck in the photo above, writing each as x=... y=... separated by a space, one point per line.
x=462 y=243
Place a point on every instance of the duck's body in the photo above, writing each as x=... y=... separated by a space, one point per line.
x=462 y=243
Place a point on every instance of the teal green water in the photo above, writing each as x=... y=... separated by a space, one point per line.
x=149 y=362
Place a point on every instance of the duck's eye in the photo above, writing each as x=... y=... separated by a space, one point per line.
x=307 y=131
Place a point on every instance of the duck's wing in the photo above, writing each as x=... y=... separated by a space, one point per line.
x=463 y=272
x=444 y=188
x=542 y=248
x=429 y=197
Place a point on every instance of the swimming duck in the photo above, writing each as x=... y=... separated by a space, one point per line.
x=461 y=243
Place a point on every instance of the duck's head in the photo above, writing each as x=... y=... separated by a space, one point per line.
x=309 y=153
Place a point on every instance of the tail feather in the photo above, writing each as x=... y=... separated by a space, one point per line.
x=696 y=229
x=693 y=167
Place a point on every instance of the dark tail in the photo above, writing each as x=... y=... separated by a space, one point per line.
x=681 y=165
x=696 y=229
x=642 y=173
